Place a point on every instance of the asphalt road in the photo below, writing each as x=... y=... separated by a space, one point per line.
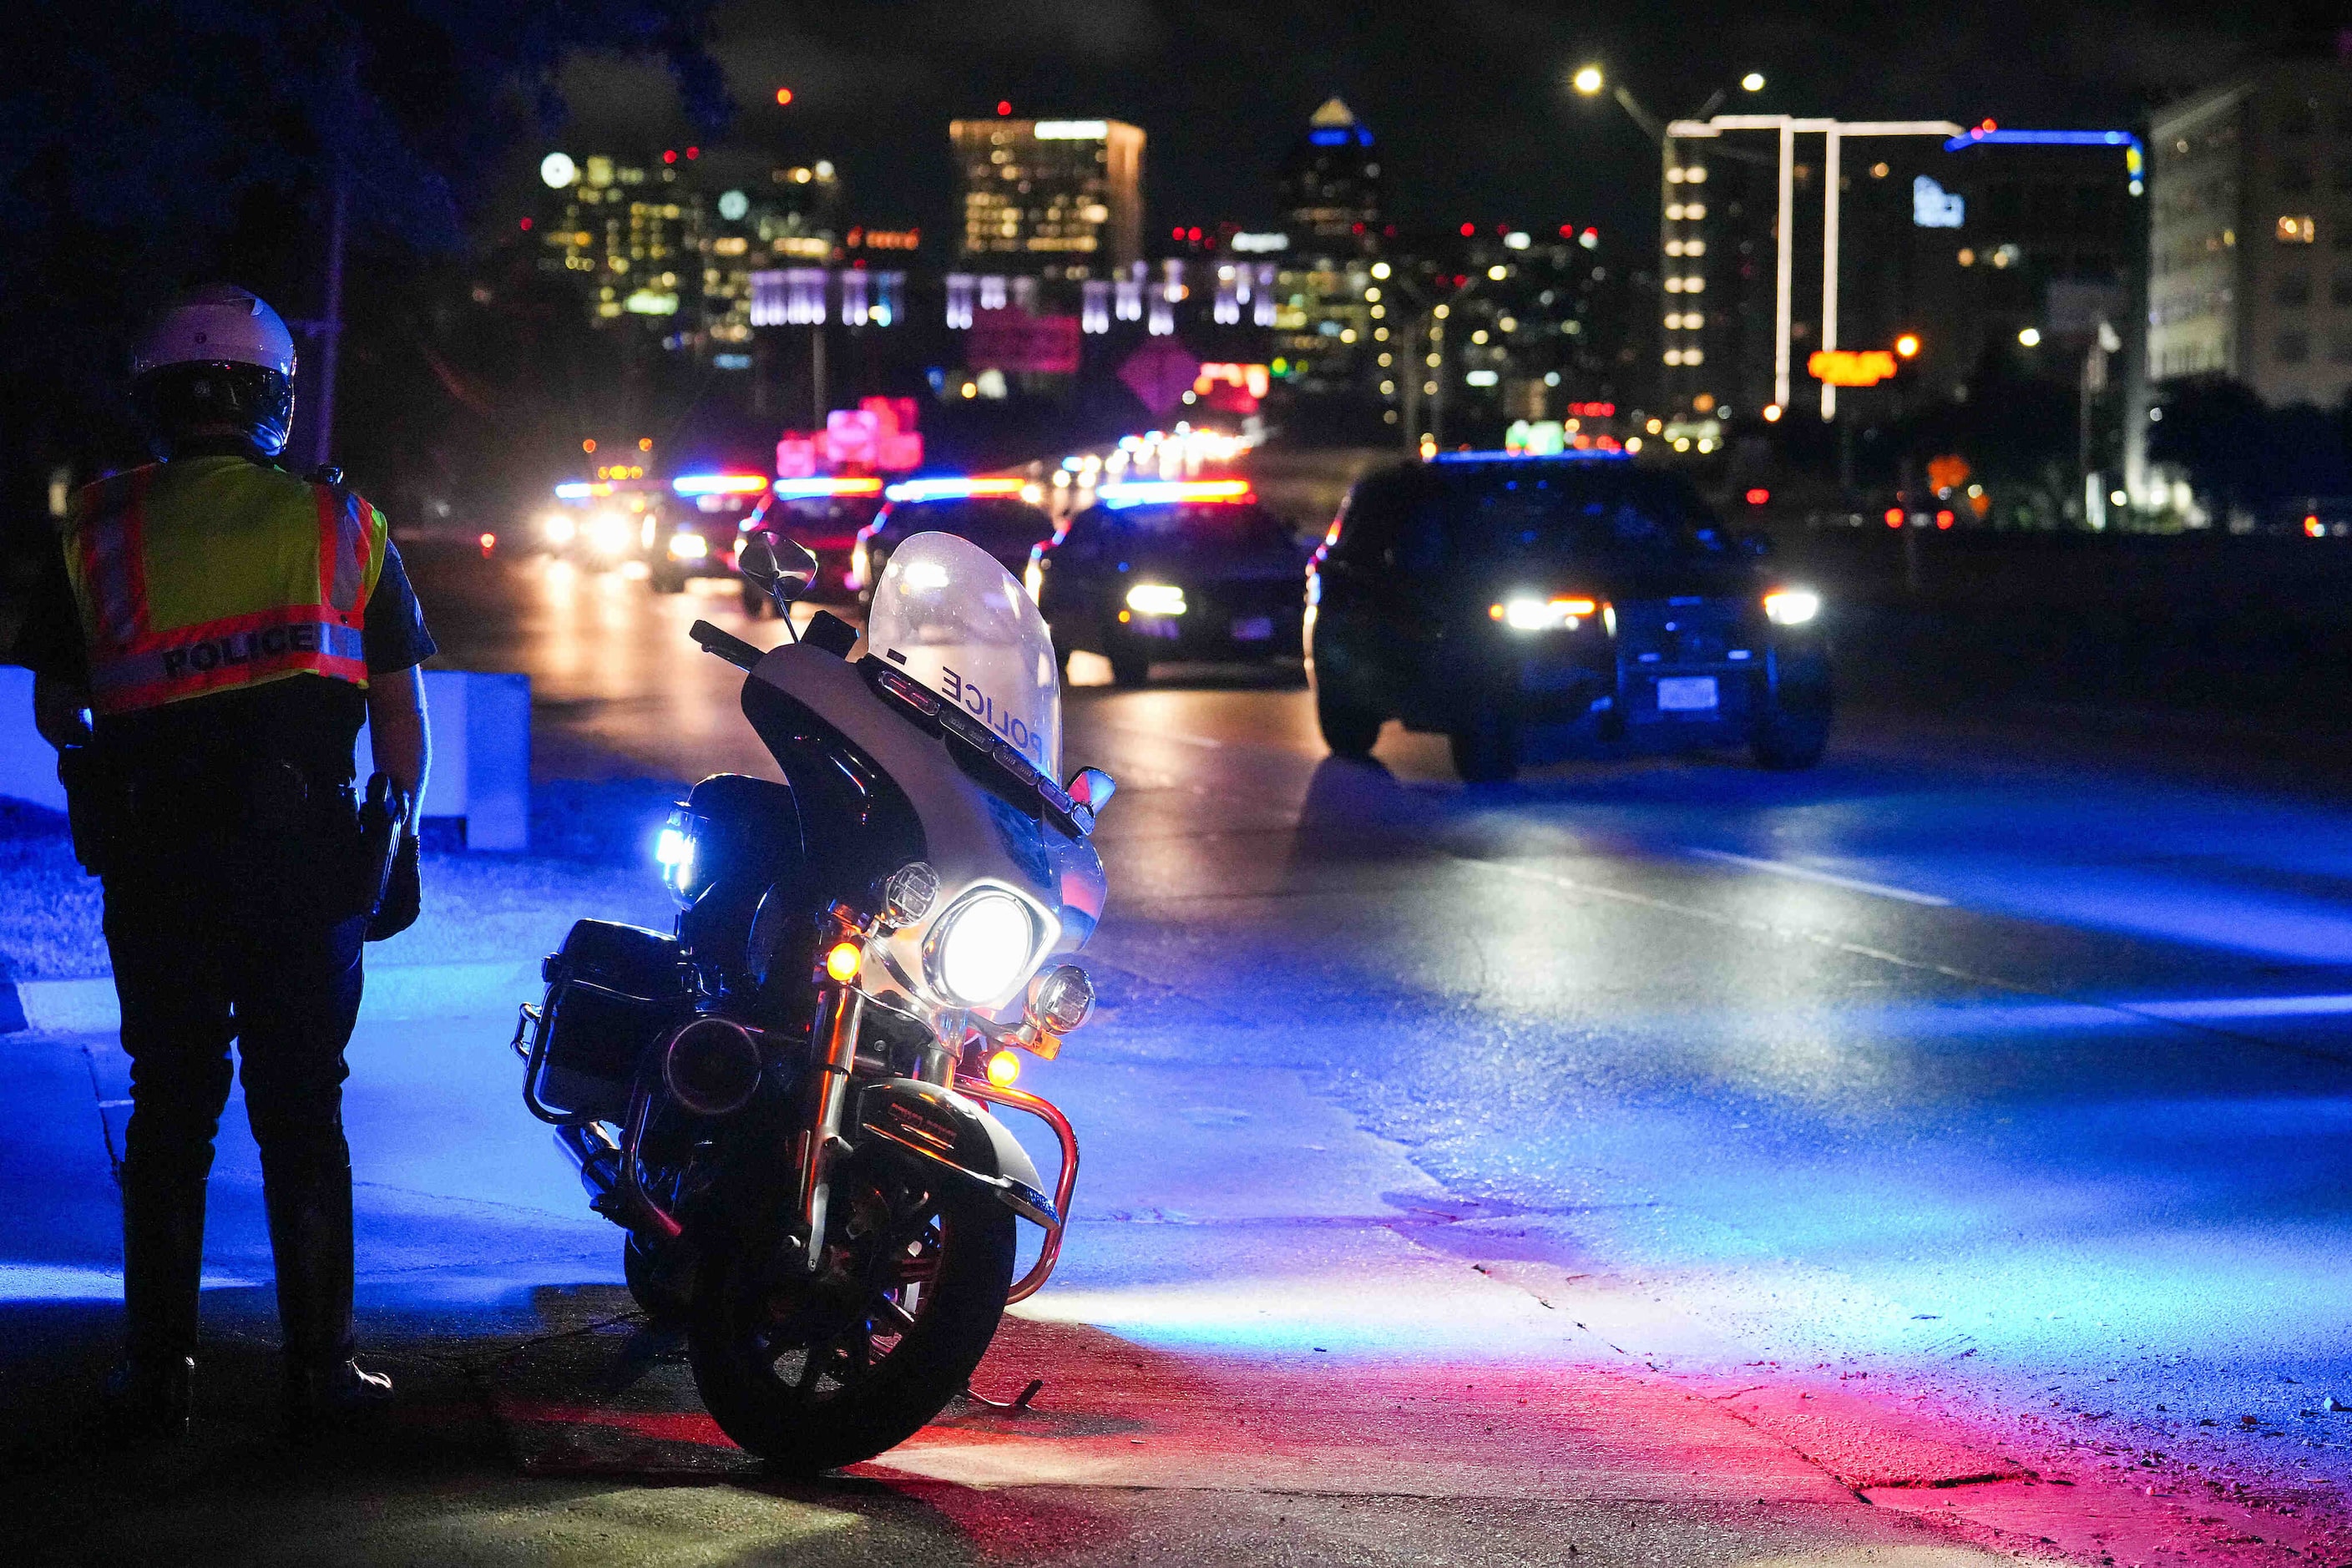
x=1952 y=1131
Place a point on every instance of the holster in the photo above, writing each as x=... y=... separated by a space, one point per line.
x=395 y=886
x=97 y=806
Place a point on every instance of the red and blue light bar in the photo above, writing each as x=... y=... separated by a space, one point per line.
x=951 y=489
x=1165 y=492
x=1573 y=454
x=821 y=487
x=720 y=484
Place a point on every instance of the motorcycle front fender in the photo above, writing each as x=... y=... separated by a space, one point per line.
x=947 y=1133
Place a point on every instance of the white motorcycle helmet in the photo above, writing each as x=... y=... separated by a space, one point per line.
x=218 y=360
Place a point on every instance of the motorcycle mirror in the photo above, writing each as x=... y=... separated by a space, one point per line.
x=1092 y=788
x=782 y=566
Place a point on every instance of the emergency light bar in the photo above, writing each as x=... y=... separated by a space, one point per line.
x=806 y=489
x=1573 y=454
x=718 y=484
x=951 y=489
x=1146 y=492
x=580 y=489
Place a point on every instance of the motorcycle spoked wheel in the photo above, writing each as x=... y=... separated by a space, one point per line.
x=812 y=1373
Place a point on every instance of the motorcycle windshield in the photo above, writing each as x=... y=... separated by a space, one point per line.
x=949 y=615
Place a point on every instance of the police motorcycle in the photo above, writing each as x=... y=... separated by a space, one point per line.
x=787 y=1100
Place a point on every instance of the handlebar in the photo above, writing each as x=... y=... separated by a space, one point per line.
x=725 y=644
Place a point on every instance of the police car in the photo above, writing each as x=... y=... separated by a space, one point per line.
x=1500 y=599
x=990 y=510
x=1172 y=569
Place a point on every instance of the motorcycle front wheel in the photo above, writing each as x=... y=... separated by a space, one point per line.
x=812 y=1373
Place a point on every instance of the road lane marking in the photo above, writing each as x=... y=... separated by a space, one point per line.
x=2247 y=1007
x=1826 y=878
x=2181 y=1017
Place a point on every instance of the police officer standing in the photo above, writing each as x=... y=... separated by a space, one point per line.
x=218 y=631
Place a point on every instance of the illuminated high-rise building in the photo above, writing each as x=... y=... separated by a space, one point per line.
x=1062 y=197
x=632 y=235
x=1331 y=184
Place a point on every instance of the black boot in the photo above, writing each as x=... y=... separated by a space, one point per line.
x=148 y=1396
x=310 y=1237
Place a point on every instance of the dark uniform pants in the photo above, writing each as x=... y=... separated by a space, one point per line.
x=197 y=964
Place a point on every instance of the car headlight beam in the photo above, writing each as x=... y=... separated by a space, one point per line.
x=982 y=948
x=1156 y=599
x=1527 y=613
x=689 y=547
x=1791 y=607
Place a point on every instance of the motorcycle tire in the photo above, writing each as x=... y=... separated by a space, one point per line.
x=666 y=1300
x=754 y=1314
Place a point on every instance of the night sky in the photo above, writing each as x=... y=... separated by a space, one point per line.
x=1467 y=97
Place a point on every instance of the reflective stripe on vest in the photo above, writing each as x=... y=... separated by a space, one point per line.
x=216 y=574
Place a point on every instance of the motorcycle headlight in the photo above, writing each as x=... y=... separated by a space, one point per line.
x=982 y=948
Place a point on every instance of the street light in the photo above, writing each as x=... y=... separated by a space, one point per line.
x=1752 y=83
x=1588 y=80
x=2030 y=337
x=1908 y=346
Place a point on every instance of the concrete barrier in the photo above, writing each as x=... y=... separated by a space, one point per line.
x=481 y=754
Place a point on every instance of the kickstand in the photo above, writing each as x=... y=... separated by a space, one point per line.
x=1018 y=1402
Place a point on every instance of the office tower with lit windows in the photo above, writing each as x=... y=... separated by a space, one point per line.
x=2249 y=245
x=1331 y=186
x=1330 y=319
x=633 y=236
x=1054 y=198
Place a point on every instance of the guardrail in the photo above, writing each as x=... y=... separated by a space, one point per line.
x=481 y=754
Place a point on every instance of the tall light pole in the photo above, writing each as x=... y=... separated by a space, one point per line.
x=1835 y=131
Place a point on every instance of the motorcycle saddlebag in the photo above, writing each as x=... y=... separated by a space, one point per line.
x=611 y=991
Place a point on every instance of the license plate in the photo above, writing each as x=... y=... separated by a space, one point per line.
x=1256 y=628
x=1687 y=694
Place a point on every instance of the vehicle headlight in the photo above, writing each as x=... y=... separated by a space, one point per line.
x=674 y=853
x=609 y=531
x=689 y=547
x=557 y=528
x=1791 y=607
x=1527 y=613
x=1155 y=599
x=982 y=948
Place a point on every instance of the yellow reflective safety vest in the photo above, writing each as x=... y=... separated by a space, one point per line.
x=212 y=574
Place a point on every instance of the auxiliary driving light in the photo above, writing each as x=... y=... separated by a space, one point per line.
x=1528 y=614
x=909 y=893
x=1791 y=607
x=982 y=947
x=689 y=547
x=1061 y=998
x=1003 y=1069
x=1155 y=599
x=841 y=962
